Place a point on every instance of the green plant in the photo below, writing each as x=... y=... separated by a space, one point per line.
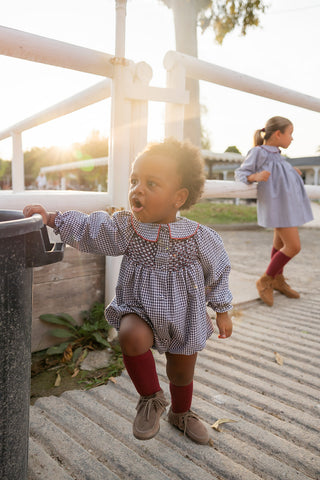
x=90 y=335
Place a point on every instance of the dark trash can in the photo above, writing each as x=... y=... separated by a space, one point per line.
x=24 y=243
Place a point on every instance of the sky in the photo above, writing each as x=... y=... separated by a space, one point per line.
x=283 y=50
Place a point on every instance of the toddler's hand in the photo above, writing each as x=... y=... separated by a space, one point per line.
x=30 y=210
x=224 y=324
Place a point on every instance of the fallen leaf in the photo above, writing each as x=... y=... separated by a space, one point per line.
x=113 y=380
x=211 y=442
x=57 y=383
x=75 y=373
x=67 y=355
x=279 y=358
x=220 y=422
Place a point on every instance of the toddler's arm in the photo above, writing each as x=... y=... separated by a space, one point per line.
x=95 y=233
x=224 y=324
x=47 y=217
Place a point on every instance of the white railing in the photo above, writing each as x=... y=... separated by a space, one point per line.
x=128 y=87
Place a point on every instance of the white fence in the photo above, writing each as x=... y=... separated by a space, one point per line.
x=127 y=84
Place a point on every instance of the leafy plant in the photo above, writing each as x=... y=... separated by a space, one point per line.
x=90 y=335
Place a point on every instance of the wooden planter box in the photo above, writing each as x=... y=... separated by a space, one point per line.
x=70 y=286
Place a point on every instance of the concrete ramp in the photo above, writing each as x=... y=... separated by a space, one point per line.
x=264 y=380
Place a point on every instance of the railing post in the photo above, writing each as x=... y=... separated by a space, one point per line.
x=176 y=78
x=139 y=114
x=17 y=166
x=120 y=137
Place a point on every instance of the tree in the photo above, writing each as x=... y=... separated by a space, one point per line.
x=223 y=16
x=233 y=149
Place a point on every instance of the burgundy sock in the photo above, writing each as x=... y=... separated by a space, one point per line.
x=142 y=371
x=277 y=263
x=273 y=252
x=181 y=397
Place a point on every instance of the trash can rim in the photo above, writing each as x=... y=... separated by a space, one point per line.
x=19 y=225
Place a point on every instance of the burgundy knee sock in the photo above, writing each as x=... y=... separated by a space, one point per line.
x=273 y=252
x=181 y=397
x=142 y=371
x=277 y=263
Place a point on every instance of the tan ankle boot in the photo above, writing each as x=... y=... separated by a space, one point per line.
x=280 y=284
x=189 y=423
x=149 y=410
x=265 y=289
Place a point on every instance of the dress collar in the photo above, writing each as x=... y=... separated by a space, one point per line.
x=271 y=148
x=181 y=229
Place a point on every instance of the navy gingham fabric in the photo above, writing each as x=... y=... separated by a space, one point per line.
x=169 y=273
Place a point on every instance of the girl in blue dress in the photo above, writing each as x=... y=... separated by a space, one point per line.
x=282 y=202
x=172 y=268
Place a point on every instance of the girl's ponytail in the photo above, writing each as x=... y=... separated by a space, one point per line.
x=258 y=137
x=272 y=125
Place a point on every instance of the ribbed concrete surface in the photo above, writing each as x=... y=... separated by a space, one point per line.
x=275 y=436
x=276 y=433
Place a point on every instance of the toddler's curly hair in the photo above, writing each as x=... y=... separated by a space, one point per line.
x=189 y=163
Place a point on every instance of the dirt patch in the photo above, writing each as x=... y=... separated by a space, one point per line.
x=50 y=376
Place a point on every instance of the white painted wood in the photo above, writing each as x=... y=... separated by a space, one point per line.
x=86 y=97
x=174 y=113
x=15 y=43
x=17 y=164
x=202 y=70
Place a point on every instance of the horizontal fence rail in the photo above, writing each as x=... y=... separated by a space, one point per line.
x=209 y=72
x=19 y=44
x=89 y=96
x=90 y=201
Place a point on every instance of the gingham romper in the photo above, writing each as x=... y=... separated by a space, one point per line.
x=168 y=274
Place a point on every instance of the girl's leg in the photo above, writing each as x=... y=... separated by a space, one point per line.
x=180 y=371
x=136 y=339
x=289 y=238
x=286 y=244
x=291 y=246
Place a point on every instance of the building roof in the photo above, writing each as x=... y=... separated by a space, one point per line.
x=222 y=157
x=305 y=161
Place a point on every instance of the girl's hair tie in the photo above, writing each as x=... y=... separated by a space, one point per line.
x=263 y=129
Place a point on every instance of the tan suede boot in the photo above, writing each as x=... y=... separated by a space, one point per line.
x=280 y=284
x=149 y=410
x=190 y=424
x=265 y=289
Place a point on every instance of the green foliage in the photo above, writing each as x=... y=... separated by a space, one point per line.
x=225 y=15
x=209 y=213
x=233 y=149
x=91 y=334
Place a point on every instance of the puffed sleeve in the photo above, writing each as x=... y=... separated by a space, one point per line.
x=216 y=268
x=95 y=233
x=252 y=164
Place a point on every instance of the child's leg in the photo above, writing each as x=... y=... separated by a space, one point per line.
x=286 y=244
x=136 y=339
x=288 y=241
x=180 y=371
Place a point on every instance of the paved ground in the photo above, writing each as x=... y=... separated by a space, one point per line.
x=276 y=408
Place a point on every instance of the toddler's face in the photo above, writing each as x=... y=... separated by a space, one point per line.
x=155 y=194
